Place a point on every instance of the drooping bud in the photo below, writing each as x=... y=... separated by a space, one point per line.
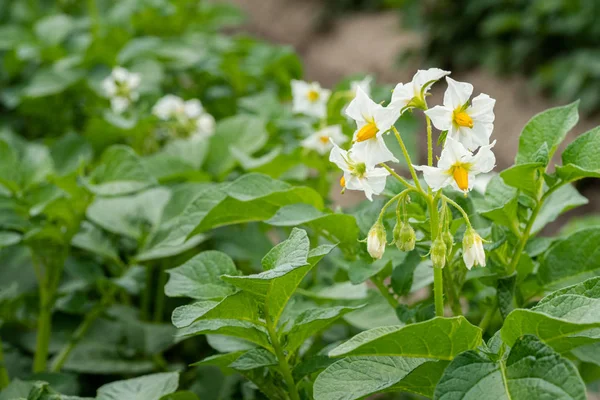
x=438 y=252
x=376 y=240
x=404 y=236
x=473 y=253
x=448 y=240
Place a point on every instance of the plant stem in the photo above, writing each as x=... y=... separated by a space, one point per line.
x=82 y=329
x=438 y=277
x=453 y=299
x=146 y=294
x=460 y=209
x=385 y=292
x=398 y=197
x=429 y=142
x=43 y=332
x=159 y=307
x=395 y=175
x=4 y=378
x=283 y=365
x=407 y=158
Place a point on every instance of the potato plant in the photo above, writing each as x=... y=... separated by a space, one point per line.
x=169 y=233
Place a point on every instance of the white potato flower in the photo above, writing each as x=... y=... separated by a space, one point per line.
x=412 y=94
x=358 y=175
x=470 y=123
x=204 y=126
x=121 y=87
x=309 y=98
x=376 y=241
x=372 y=121
x=458 y=167
x=168 y=107
x=193 y=108
x=473 y=253
x=320 y=140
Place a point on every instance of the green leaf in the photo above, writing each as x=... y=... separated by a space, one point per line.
x=580 y=158
x=439 y=338
x=120 y=172
x=532 y=370
x=104 y=359
x=292 y=252
x=562 y=200
x=199 y=277
x=9 y=239
x=148 y=387
x=402 y=275
x=246 y=133
x=571 y=258
x=255 y=358
x=377 y=312
x=94 y=240
x=182 y=395
x=133 y=216
x=501 y=203
x=276 y=286
x=70 y=152
x=52 y=80
x=230 y=327
x=525 y=177
x=53 y=29
x=547 y=128
x=336 y=227
x=310 y=322
x=356 y=377
x=565 y=319
x=220 y=360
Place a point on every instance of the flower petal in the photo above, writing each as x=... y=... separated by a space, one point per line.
x=372 y=152
x=457 y=94
x=436 y=178
x=339 y=157
x=424 y=76
x=485 y=160
x=453 y=152
x=441 y=117
x=402 y=95
x=482 y=108
x=385 y=117
x=359 y=108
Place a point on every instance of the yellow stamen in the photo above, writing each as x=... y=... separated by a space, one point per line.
x=367 y=132
x=313 y=95
x=324 y=139
x=461 y=118
x=461 y=176
x=343 y=181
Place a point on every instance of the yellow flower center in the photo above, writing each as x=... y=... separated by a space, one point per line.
x=461 y=118
x=460 y=173
x=367 y=132
x=343 y=181
x=324 y=139
x=313 y=95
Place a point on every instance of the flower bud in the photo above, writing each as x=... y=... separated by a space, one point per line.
x=448 y=240
x=404 y=236
x=438 y=252
x=473 y=253
x=376 y=240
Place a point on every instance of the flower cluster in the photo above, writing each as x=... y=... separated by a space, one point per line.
x=466 y=126
x=121 y=87
x=188 y=118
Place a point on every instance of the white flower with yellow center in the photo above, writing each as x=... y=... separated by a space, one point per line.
x=309 y=98
x=320 y=141
x=412 y=94
x=372 y=121
x=470 y=123
x=168 y=107
x=358 y=175
x=121 y=87
x=473 y=253
x=458 y=167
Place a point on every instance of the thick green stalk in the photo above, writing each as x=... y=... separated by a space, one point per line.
x=283 y=364
x=44 y=329
x=438 y=277
x=4 y=378
x=159 y=307
x=407 y=158
x=147 y=294
x=429 y=142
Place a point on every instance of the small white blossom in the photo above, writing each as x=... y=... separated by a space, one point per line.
x=469 y=123
x=376 y=240
x=204 y=126
x=121 y=87
x=193 y=108
x=458 y=167
x=412 y=94
x=168 y=107
x=473 y=253
x=309 y=98
x=358 y=175
x=320 y=141
x=372 y=121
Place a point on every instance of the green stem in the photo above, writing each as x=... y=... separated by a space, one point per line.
x=44 y=328
x=385 y=292
x=159 y=307
x=283 y=365
x=395 y=175
x=64 y=353
x=453 y=298
x=429 y=142
x=398 y=197
x=438 y=277
x=4 y=378
x=407 y=158
x=460 y=209
x=146 y=294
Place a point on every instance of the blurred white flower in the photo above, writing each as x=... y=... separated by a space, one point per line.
x=309 y=98
x=193 y=108
x=470 y=123
x=204 y=126
x=412 y=94
x=458 y=167
x=358 y=175
x=168 y=107
x=364 y=84
x=320 y=140
x=473 y=253
x=372 y=121
x=121 y=87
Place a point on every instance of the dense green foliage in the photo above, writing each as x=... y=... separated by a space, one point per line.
x=554 y=43
x=144 y=265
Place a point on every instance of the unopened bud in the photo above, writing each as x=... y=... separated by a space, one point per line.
x=438 y=252
x=376 y=240
x=404 y=236
x=473 y=252
x=448 y=240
